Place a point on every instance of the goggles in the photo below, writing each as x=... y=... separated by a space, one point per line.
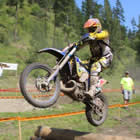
x=92 y=29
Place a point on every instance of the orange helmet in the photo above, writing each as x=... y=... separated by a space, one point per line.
x=93 y=25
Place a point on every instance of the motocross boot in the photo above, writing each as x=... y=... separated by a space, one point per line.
x=93 y=84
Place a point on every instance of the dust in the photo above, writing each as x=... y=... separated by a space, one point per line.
x=135 y=72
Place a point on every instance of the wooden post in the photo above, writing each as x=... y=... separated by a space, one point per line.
x=19 y=128
x=119 y=113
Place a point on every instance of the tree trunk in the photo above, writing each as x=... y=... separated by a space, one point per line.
x=15 y=31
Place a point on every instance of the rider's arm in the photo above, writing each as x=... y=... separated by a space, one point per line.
x=99 y=36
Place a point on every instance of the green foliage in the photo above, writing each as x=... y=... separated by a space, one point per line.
x=3 y=35
x=35 y=9
x=107 y=14
x=118 y=12
x=29 y=25
x=134 y=36
x=90 y=8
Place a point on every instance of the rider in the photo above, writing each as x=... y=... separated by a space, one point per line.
x=101 y=55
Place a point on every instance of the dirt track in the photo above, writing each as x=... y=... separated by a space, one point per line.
x=14 y=105
x=21 y=105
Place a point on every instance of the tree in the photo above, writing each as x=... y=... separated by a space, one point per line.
x=90 y=8
x=15 y=3
x=2 y=2
x=134 y=26
x=18 y=4
x=44 y=3
x=79 y=21
x=107 y=16
x=118 y=12
x=136 y=37
x=65 y=17
x=64 y=12
x=138 y=24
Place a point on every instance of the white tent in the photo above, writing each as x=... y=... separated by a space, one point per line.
x=7 y=66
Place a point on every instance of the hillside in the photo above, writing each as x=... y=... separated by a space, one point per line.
x=29 y=25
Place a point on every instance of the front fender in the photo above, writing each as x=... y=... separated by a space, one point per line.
x=57 y=53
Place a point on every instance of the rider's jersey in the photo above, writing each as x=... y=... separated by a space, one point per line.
x=99 y=47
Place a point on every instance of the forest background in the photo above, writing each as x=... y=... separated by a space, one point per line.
x=29 y=25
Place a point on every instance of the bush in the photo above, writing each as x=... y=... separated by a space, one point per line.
x=37 y=11
x=3 y=36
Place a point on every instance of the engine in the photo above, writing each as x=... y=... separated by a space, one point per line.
x=73 y=89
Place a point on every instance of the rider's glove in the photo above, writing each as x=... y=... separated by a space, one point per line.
x=93 y=35
x=80 y=43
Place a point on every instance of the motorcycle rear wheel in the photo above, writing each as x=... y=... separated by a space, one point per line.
x=34 y=88
x=97 y=114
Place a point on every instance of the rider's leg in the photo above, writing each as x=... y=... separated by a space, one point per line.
x=96 y=68
x=93 y=83
x=84 y=75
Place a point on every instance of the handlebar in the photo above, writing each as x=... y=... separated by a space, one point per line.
x=85 y=38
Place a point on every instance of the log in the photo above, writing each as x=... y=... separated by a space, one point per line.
x=47 y=133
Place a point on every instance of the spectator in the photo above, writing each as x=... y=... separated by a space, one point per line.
x=127 y=88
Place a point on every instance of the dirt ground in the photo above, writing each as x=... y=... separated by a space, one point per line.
x=21 y=105
x=14 y=105
x=127 y=126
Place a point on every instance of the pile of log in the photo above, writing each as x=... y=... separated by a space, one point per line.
x=47 y=133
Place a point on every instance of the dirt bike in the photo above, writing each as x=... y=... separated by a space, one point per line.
x=41 y=85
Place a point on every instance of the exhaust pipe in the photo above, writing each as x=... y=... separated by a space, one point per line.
x=65 y=89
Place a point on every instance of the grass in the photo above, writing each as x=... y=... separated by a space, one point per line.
x=9 y=129
x=77 y=122
x=137 y=131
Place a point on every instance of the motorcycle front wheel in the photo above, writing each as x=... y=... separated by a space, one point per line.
x=34 y=86
x=97 y=112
